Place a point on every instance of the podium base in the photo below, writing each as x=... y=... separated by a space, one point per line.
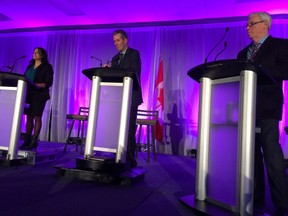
x=102 y=164
x=126 y=178
x=12 y=162
x=39 y=156
x=205 y=208
x=32 y=157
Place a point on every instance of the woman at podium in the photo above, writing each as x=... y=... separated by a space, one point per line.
x=40 y=72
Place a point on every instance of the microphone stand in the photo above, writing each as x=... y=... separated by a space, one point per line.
x=225 y=45
x=93 y=57
x=17 y=59
x=222 y=38
x=5 y=67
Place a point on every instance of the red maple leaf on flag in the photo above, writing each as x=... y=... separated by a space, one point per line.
x=159 y=86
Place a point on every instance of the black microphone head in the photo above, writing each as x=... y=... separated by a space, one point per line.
x=23 y=56
x=92 y=56
x=227 y=29
x=225 y=44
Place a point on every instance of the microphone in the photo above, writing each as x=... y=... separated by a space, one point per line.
x=5 y=67
x=17 y=59
x=108 y=62
x=226 y=30
x=93 y=57
x=225 y=45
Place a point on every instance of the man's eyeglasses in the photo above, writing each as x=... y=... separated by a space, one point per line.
x=253 y=23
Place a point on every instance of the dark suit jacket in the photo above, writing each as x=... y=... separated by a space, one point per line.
x=273 y=58
x=43 y=74
x=132 y=63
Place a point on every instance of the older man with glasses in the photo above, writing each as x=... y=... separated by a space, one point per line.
x=272 y=54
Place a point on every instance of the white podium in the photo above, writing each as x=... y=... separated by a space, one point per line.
x=12 y=98
x=108 y=119
x=226 y=132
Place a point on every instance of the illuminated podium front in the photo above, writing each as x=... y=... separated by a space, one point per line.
x=104 y=156
x=12 y=98
x=109 y=111
x=226 y=132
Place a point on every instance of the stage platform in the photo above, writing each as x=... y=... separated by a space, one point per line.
x=35 y=189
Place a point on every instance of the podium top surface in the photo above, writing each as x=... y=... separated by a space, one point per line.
x=11 y=79
x=11 y=76
x=111 y=74
x=229 y=68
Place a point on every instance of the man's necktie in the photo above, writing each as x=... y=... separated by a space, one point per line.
x=254 y=50
x=121 y=56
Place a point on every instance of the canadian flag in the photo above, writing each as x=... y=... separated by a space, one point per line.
x=159 y=88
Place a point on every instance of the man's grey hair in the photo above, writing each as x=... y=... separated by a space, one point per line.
x=263 y=16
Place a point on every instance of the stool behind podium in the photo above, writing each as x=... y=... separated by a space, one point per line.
x=81 y=117
x=149 y=119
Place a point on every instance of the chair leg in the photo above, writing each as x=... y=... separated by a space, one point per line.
x=82 y=137
x=148 y=144
x=78 y=135
x=153 y=143
x=138 y=144
x=69 y=134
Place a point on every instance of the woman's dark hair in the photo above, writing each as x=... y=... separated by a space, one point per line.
x=42 y=53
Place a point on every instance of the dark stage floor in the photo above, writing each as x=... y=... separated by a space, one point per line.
x=35 y=190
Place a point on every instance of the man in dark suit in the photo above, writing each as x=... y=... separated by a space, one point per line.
x=272 y=54
x=129 y=59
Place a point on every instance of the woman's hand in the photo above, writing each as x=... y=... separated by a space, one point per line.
x=40 y=85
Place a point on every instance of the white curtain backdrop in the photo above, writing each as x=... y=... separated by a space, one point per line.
x=182 y=47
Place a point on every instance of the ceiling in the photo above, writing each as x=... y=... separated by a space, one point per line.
x=23 y=14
